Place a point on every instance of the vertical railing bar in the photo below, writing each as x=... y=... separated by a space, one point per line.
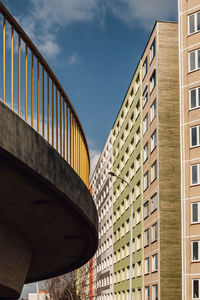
x=66 y=132
x=60 y=124
x=56 y=119
x=12 y=67
x=38 y=97
x=32 y=90
x=26 y=81
x=76 y=149
x=52 y=112
x=19 y=75
x=72 y=141
x=70 y=138
x=4 y=59
x=63 y=127
x=42 y=101
x=47 y=107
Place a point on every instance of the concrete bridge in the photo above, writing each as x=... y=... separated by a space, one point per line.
x=48 y=219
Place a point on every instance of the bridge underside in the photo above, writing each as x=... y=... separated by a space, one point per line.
x=48 y=220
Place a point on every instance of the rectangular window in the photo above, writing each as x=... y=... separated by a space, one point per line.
x=133 y=271
x=152 y=81
x=145 y=67
x=146 y=150
x=137 y=162
x=139 y=268
x=152 y=50
x=146 y=265
x=194 y=60
x=154 y=232
x=154 y=202
x=146 y=180
x=146 y=237
x=195 y=212
x=154 y=262
x=146 y=209
x=195 y=289
x=139 y=242
x=138 y=189
x=132 y=170
x=195 y=136
x=194 y=98
x=154 y=171
x=153 y=110
x=138 y=215
x=137 y=83
x=153 y=141
x=194 y=23
x=137 y=108
x=147 y=293
x=145 y=123
x=137 y=136
x=195 y=174
x=155 y=292
x=195 y=251
x=145 y=95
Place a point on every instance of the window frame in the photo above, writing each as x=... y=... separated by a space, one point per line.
x=195 y=23
x=196 y=67
x=198 y=212
x=197 y=89
x=197 y=136
x=198 y=175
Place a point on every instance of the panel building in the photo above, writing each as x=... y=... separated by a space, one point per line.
x=189 y=54
x=101 y=185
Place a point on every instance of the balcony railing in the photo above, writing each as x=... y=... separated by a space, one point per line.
x=30 y=88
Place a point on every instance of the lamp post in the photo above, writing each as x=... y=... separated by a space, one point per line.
x=131 y=238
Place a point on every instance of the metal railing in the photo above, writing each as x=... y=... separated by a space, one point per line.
x=39 y=98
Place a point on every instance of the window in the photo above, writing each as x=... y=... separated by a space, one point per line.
x=152 y=81
x=194 y=97
x=145 y=95
x=152 y=50
x=147 y=293
x=195 y=212
x=146 y=180
x=154 y=232
x=132 y=170
x=145 y=67
x=137 y=136
x=153 y=141
x=155 y=292
x=137 y=83
x=137 y=109
x=195 y=251
x=139 y=294
x=194 y=60
x=146 y=265
x=131 y=120
x=146 y=209
x=145 y=124
x=127 y=225
x=138 y=215
x=195 y=136
x=195 y=289
x=154 y=262
x=139 y=242
x=139 y=268
x=133 y=246
x=146 y=237
x=195 y=174
x=154 y=202
x=146 y=150
x=138 y=189
x=194 y=23
x=133 y=271
x=153 y=110
x=154 y=171
x=137 y=162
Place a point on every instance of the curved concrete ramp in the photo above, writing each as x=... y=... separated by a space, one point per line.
x=48 y=220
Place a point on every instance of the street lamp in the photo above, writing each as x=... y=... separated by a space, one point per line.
x=131 y=238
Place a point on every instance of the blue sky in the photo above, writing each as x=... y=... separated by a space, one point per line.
x=93 y=47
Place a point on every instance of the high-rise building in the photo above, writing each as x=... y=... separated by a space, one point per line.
x=101 y=186
x=189 y=55
x=146 y=154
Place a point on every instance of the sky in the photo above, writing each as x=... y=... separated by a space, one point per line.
x=93 y=47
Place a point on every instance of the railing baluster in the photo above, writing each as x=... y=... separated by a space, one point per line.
x=63 y=127
x=12 y=67
x=60 y=123
x=19 y=75
x=38 y=97
x=32 y=89
x=52 y=112
x=66 y=132
x=42 y=101
x=4 y=59
x=70 y=138
x=56 y=119
x=26 y=81
x=47 y=107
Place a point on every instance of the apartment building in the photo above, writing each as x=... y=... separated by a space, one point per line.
x=189 y=62
x=161 y=165
x=101 y=185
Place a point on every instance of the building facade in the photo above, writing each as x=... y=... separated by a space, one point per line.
x=189 y=55
x=127 y=131
x=101 y=186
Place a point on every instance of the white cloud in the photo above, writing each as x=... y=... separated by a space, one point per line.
x=94 y=157
x=143 y=12
x=74 y=59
